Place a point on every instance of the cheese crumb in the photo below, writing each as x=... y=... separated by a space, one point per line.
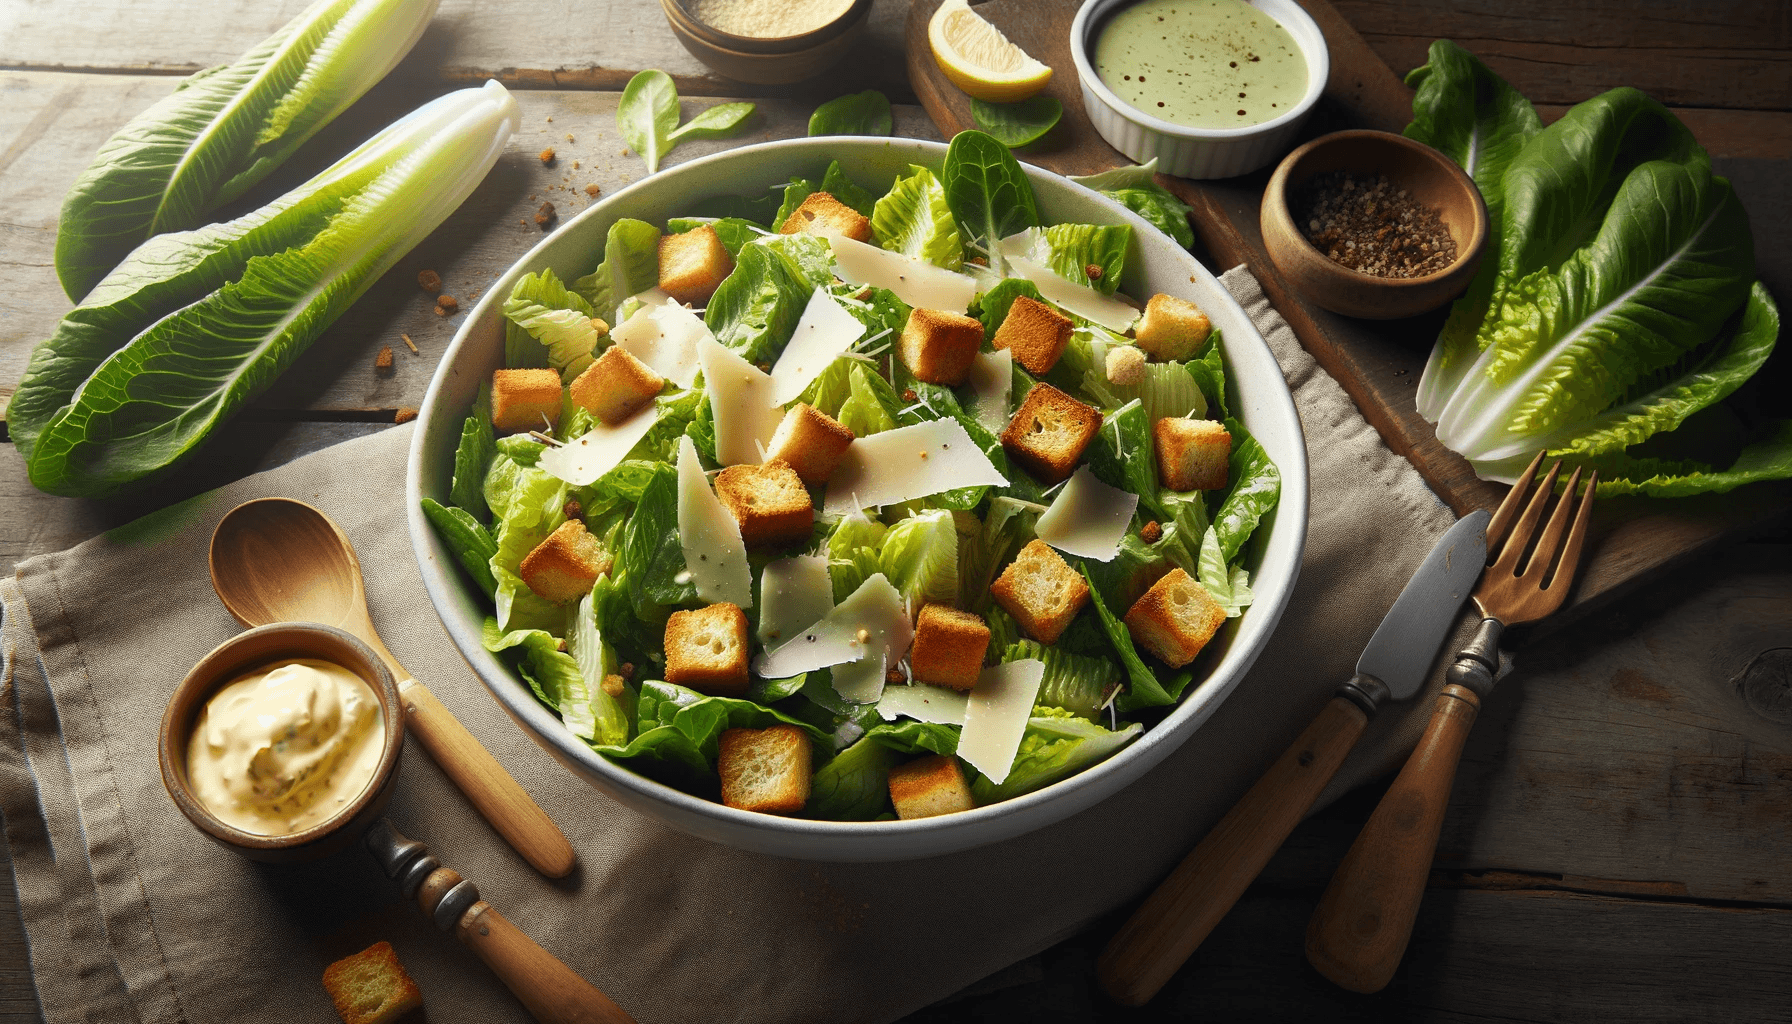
x=1126 y=365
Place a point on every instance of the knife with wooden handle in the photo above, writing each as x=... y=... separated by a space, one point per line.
x=1175 y=918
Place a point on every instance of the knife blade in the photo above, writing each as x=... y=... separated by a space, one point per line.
x=1406 y=642
x=1176 y=917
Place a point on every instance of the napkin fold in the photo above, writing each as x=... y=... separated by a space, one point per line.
x=132 y=914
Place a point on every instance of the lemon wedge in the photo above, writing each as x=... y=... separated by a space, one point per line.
x=979 y=59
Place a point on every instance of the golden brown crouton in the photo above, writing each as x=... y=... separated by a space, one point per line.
x=371 y=987
x=525 y=400
x=769 y=501
x=693 y=264
x=811 y=441
x=563 y=567
x=939 y=346
x=822 y=214
x=765 y=770
x=1049 y=432
x=1036 y=334
x=1172 y=328
x=949 y=647
x=706 y=650
x=1192 y=455
x=1175 y=618
x=616 y=386
x=929 y=786
x=1041 y=591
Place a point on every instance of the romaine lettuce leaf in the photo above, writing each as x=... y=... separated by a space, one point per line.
x=913 y=219
x=919 y=556
x=631 y=265
x=606 y=715
x=1254 y=485
x=755 y=309
x=558 y=318
x=855 y=785
x=1075 y=683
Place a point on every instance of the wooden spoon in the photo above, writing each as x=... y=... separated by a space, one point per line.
x=280 y=560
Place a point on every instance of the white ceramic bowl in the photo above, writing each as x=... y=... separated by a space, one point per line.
x=1197 y=152
x=1154 y=264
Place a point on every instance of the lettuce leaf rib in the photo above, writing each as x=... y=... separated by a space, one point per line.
x=150 y=401
x=225 y=129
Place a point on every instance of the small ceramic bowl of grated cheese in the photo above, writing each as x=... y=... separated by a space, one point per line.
x=768 y=42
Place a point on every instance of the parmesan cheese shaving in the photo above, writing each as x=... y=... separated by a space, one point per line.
x=858 y=640
x=995 y=716
x=741 y=396
x=992 y=381
x=1085 y=302
x=1088 y=517
x=906 y=463
x=914 y=281
x=582 y=460
x=713 y=552
x=794 y=594
x=825 y=330
x=665 y=336
x=923 y=702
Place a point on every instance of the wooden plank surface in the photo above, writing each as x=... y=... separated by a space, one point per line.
x=542 y=44
x=1379 y=362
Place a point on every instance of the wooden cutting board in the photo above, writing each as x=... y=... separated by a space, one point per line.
x=1377 y=362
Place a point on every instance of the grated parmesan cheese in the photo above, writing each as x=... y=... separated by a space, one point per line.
x=768 y=19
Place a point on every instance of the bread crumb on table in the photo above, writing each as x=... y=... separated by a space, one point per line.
x=382 y=363
x=447 y=304
x=404 y=414
x=429 y=281
x=408 y=343
x=545 y=215
x=547 y=156
x=592 y=189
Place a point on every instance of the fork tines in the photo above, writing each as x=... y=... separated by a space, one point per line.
x=1523 y=527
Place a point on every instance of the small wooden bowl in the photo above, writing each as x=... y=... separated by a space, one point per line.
x=251 y=650
x=1430 y=177
x=777 y=61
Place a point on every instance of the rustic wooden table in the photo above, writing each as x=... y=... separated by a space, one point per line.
x=1619 y=843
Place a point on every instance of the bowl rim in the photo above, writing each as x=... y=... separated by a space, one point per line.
x=1318 y=71
x=217 y=668
x=1275 y=202
x=766 y=46
x=549 y=731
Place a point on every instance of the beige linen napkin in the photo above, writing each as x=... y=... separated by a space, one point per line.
x=132 y=914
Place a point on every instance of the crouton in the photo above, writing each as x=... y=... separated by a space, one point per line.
x=1041 y=591
x=706 y=650
x=525 y=400
x=939 y=346
x=929 y=786
x=371 y=986
x=811 y=441
x=693 y=264
x=1049 y=432
x=563 y=567
x=616 y=386
x=1175 y=618
x=1036 y=334
x=949 y=647
x=1172 y=328
x=1125 y=365
x=766 y=770
x=1192 y=455
x=769 y=501
x=822 y=214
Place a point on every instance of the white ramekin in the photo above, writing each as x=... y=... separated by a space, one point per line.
x=1197 y=152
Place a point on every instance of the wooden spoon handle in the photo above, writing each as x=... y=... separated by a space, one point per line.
x=549 y=988
x=1163 y=932
x=1359 y=931
x=522 y=823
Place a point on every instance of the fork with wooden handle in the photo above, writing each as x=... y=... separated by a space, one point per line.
x=1361 y=927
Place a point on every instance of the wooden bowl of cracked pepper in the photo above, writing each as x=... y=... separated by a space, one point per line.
x=1373 y=225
